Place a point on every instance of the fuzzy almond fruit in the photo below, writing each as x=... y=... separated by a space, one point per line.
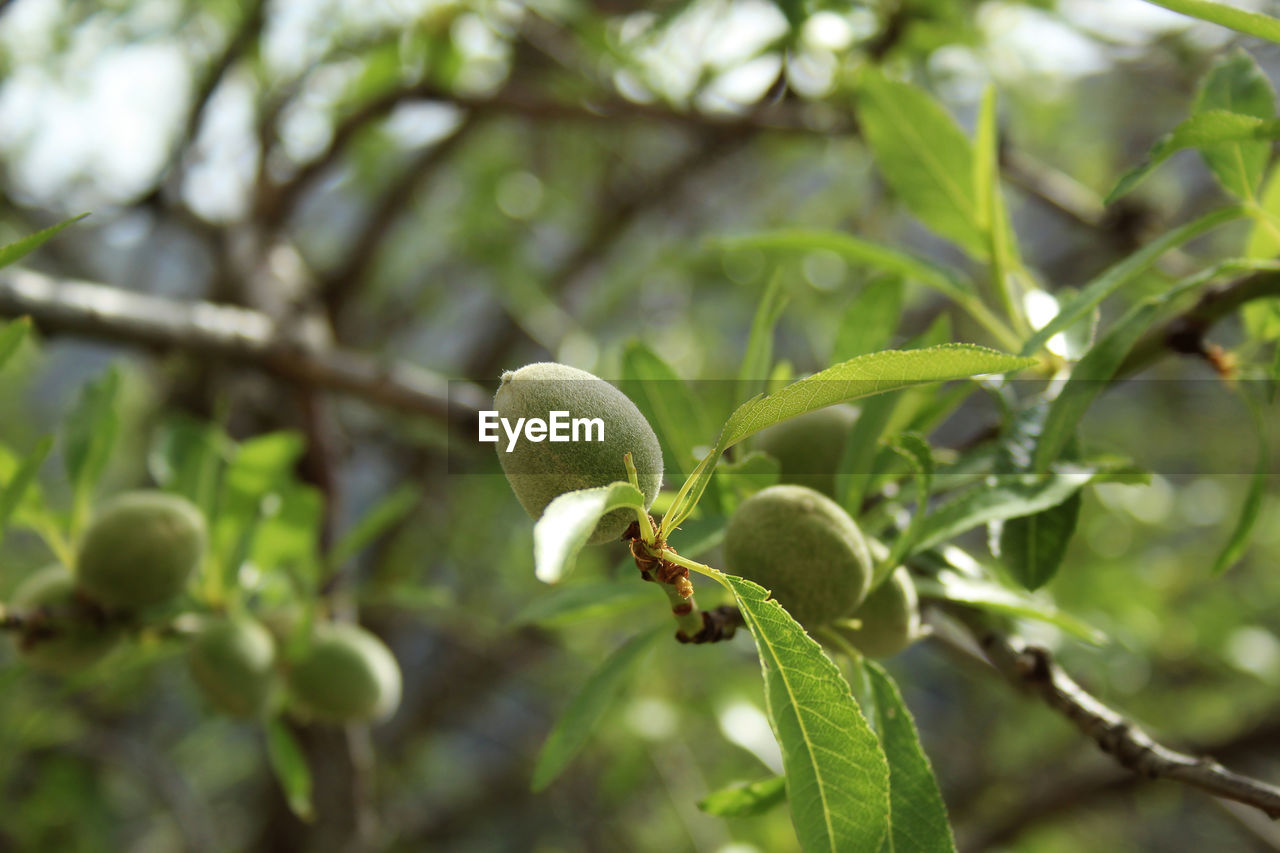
x=804 y=548
x=347 y=675
x=808 y=447
x=232 y=661
x=539 y=472
x=888 y=621
x=141 y=549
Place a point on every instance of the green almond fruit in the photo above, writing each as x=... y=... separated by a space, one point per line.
x=69 y=634
x=539 y=472
x=232 y=661
x=347 y=675
x=804 y=548
x=888 y=621
x=808 y=447
x=141 y=549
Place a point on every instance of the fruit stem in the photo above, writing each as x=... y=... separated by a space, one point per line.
x=647 y=534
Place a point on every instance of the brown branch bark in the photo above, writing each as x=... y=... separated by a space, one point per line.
x=1033 y=669
x=237 y=334
x=1185 y=332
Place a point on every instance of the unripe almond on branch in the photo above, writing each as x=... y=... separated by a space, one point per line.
x=347 y=675
x=64 y=633
x=141 y=549
x=808 y=447
x=888 y=621
x=804 y=548
x=232 y=660
x=539 y=472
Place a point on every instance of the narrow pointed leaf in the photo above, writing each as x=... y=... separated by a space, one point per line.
x=1092 y=373
x=1123 y=272
x=17 y=250
x=946 y=280
x=585 y=710
x=948 y=585
x=918 y=815
x=859 y=377
x=11 y=337
x=380 y=518
x=1251 y=23
x=1208 y=129
x=567 y=522
x=758 y=359
x=290 y=768
x=667 y=402
x=1005 y=497
x=1250 y=510
x=869 y=321
x=837 y=777
x=746 y=800
x=1032 y=547
x=924 y=155
x=13 y=491
x=1238 y=85
x=919 y=456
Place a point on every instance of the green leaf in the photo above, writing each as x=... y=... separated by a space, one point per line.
x=11 y=337
x=924 y=155
x=88 y=437
x=916 y=451
x=863 y=376
x=590 y=704
x=290 y=767
x=949 y=282
x=18 y=249
x=667 y=402
x=1252 y=23
x=562 y=605
x=1092 y=373
x=946 y=280
x=15 y=489
x=380 y=518
x=948 y=585
x=1125 y=271
x=747 y=800
x=1208 y=129
x=186 y=457
x=1004 y=497
x=1264 y=236
x=1032 y=547
x=1238 y=541
x=993 y=218
x=567 y=522
x=870 y=319
x=837 y=777
x=918 y=816
x=1238 y=85
x=759 y=355
x=857 y=468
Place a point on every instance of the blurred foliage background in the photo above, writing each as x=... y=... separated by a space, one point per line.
x=468 y=187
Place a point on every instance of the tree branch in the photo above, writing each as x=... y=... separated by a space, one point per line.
x=1185 y=332
x=1033 y=668
x=337 y=287
x=240 y=335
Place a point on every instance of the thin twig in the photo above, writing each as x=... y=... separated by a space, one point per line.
x=1185 y=332
x=1033 y=668
x=338 y=287
x=237 y=334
